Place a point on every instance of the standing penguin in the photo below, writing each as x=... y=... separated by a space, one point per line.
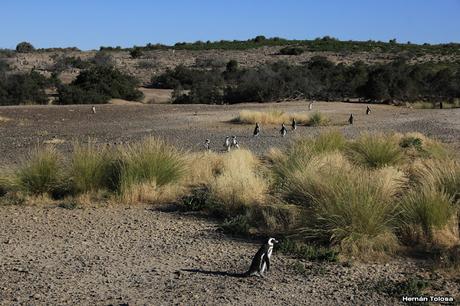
x=368 y=110
x=227 y=143
x=261 y=261
x=294 y=124
x=283 y=130
x=350 y=120
x=93 y=109
x=235 y=142
x=257 y=129
x=310 y=106
x=207 y=142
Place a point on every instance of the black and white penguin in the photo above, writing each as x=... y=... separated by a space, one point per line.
x=310 y=106
x=93 y=109
x=257 y=129
x=235 y=142
x=350 y=120
x=227 y=143
x=261 y=261
x=368 y=110
x=294 y=124
x=283 y=130
x=207 y=143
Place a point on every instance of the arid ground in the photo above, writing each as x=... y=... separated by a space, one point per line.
x=139 y=255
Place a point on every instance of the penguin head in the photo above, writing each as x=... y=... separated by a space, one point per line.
x=271 y=241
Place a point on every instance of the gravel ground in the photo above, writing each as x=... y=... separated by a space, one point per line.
x=137 y=255
x=187 y=126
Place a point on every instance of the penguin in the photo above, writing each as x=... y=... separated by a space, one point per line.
x=227 y=143
x=93 y=109
x=257 y=129
x=294 y=124
x=350 y=120
x=206 y=144
x=310 y=106
x=261 y=261
x=368 y=110
x=235 y=142
x=283 y=130
x=440 y=105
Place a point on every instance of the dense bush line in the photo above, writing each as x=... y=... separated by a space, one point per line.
x=316 y=79
x=344 y=195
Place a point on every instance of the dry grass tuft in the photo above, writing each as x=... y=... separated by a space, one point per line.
x=271 y=116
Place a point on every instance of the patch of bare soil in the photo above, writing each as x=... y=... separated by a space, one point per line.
x=143 y=256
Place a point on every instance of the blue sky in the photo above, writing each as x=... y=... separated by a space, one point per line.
x=88 y=24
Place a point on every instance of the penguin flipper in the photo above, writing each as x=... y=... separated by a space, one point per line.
x=267 y=261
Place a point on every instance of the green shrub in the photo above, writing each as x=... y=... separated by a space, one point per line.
x=238 y=225
x=23 y=89
x=24 y=47
x=308 y=251
x=291 y=51
x=411 y=142
x=136 y=53
x=97 y=85
x=375 y=151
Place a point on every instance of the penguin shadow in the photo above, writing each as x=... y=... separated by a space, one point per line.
x=217 y=273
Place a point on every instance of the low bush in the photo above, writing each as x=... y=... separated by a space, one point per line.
x=291 y=51
x=98 y=84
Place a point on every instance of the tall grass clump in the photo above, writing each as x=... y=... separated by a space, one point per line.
x=238 y=186
x=354 y=208
x=144 y=167
x=375 y=151
x=40 y=172
x=424 y=210
x=318 y=119
x=88 y=168
x=302 y=150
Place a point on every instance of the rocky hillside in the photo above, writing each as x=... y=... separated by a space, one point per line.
x=154 y=62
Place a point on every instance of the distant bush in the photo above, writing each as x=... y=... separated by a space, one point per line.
x=23 y=89
x=99 y=84
x=136 y=52
x=319 y=78
x=291 y=51
x=24 y=47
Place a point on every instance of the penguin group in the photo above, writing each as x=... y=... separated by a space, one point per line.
x=231 y=143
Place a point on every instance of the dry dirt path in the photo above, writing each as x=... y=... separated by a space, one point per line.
x=137 y=255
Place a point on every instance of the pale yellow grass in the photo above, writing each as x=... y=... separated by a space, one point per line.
x=4 y=119
x=238 y=185
x=271 y=116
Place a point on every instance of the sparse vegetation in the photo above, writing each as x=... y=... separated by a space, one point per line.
x=329 y=201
